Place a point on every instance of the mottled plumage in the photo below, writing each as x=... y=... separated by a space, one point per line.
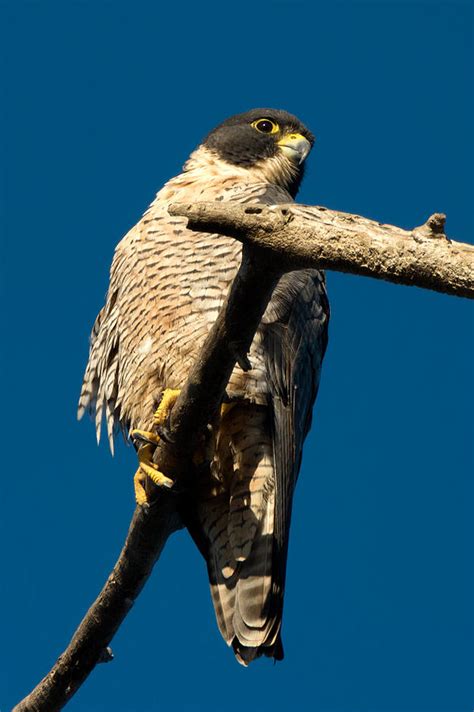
x=167 y=284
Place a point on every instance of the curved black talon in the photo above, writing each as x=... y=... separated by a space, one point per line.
x=165 y=433
x=139 y=438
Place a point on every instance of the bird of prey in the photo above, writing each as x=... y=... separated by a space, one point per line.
x=167 y=284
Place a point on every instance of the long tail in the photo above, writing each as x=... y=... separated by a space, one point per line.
x=241 y=552
x=249 y=602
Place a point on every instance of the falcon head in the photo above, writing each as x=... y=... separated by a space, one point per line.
x=270 y=143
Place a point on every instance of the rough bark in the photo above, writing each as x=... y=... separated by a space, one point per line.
x=309 y=236
x=276 y=240
x=149 y=530
x=228 y=342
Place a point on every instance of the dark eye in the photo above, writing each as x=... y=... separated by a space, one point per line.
x=266 y=126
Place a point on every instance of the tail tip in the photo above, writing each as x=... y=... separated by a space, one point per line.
x=245 y=655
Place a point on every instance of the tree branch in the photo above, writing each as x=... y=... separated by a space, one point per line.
x=228 y=342
x=309 y=236
x=276 y=239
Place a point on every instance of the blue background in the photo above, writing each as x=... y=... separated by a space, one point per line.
x=104 y=101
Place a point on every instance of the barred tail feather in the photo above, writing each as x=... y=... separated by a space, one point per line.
x=248 y=604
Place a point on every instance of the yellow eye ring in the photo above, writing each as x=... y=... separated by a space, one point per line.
x=266 y=126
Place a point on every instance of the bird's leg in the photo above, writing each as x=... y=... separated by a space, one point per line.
x=139 y=484
x=147 y=468
x=226 y=408
x=168 y=399
x=161 y=417
x=148 y=441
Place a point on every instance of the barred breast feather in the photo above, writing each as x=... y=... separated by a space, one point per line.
x=167 y=285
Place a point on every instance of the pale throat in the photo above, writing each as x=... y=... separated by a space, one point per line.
x=205 y=168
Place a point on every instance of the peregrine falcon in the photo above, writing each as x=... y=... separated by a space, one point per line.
x=167 y=284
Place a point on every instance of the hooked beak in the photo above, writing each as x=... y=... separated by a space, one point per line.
x=295 y=147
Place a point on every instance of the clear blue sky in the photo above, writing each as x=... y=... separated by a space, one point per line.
x=104 y=101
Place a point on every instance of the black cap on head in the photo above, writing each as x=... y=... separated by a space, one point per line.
x=252 y=137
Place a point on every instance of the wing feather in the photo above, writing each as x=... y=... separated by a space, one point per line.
x=295 y=338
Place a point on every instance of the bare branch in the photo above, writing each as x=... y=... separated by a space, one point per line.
x=147 y=536
x=309 y=236
x=200 y=398
x=276 y=239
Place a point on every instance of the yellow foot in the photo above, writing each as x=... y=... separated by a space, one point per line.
x=226 y=408
x=147 y=468
x=167 y=402
x=139 y=482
